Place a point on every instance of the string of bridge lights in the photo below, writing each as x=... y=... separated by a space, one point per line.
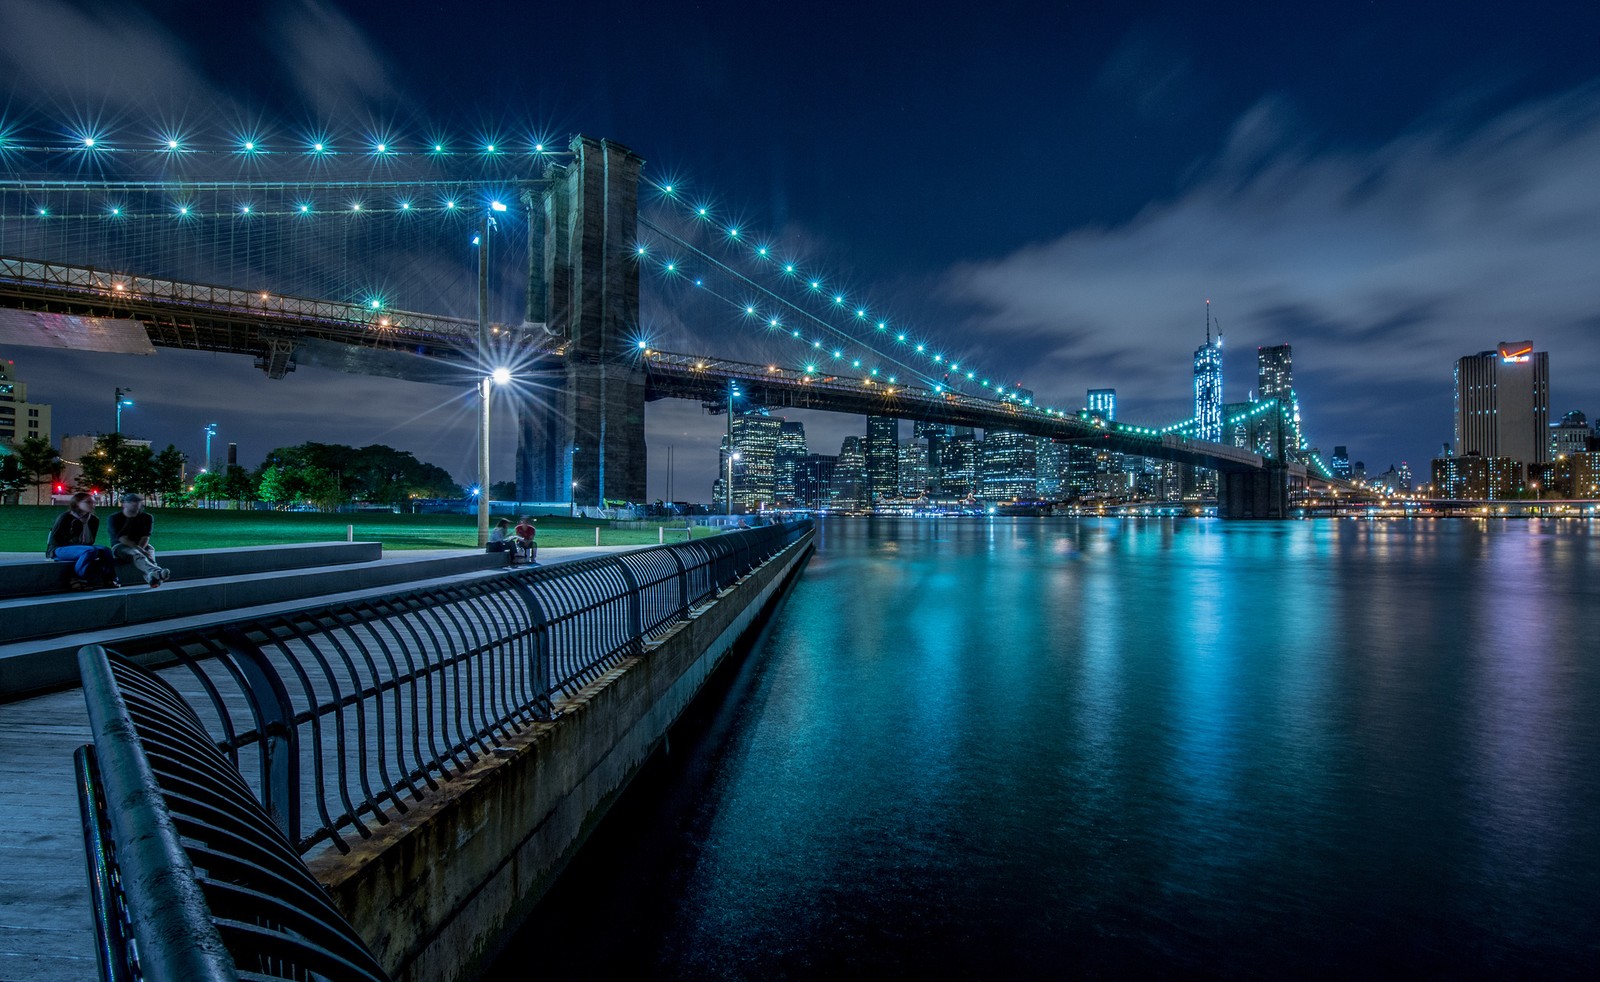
x=186 y=209
x=94 y=141
x=755 y=245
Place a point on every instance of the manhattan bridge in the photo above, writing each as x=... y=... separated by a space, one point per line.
x=345 y=255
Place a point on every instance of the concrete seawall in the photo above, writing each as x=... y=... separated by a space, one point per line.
x=438 y=892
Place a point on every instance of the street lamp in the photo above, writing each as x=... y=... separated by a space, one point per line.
x=731 y=458
x=499 y=375
x=574 y=499
x=122 y=400
x=211 y=431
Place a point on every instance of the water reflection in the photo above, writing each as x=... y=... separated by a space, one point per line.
x=1110 y=747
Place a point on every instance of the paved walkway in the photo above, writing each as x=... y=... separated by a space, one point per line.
x=46 y=932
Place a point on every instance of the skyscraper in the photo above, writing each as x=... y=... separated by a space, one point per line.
x=1103 y=403
x=1275 y=372
x=913 y=468
x=1340 y=462
x=755 y=440
x=937 y=435
x=848 y=489
x=791 y=451
x=1275 y=380
x=1503 y=404
x=1569 y=436
x=1010 y=466
x=882 y=453
x=1208 y=385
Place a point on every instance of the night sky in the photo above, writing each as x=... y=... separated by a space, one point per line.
x=1050 y=190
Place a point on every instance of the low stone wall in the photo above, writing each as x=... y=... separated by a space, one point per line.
x=439 y=892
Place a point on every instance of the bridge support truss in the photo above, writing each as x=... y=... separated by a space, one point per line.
x=1254 y=494
x=584 y=435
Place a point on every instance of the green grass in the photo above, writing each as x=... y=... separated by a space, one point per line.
x=23 y=529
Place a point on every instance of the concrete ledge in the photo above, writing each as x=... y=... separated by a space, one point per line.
x=439 y=891
x=32 y=577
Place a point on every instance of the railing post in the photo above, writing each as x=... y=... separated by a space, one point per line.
x=280 y=739
x=635 y=606
x=683 y=585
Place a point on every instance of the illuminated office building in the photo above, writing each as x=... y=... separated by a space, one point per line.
x=19 y=418
x=791 y=451
x=1103 y=403
x=882 y=455
x=1010 y=466
x=1503 y=404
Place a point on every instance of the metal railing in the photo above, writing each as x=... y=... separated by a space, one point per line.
x=345 y=715
x=191 y=880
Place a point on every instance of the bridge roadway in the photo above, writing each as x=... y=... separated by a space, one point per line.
x=267 y=325
x=707 y=379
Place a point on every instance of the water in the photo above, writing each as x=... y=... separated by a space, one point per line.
x=1108 y=748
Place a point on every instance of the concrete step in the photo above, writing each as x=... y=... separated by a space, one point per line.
x=35 y=576
x=38 y=617
x=33 y=666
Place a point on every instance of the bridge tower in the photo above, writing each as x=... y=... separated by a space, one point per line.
x=582 y=439
x=1259 y=493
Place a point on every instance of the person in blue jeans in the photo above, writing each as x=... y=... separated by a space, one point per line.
x=72 y=541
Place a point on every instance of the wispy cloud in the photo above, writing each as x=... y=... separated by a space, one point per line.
x=1381 y=265
x=330 y=61
x=97 y=58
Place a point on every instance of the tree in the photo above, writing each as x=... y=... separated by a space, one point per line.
x=375 y=473
x=40 y=462
x=278 y=485
x=166 y=472
x=211 y=486
x=503 y=491
x=237 y=485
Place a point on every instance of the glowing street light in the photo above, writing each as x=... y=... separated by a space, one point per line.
x=729 y=487
x=122 y=400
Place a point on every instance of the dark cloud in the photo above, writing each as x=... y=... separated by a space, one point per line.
x=1382 y=265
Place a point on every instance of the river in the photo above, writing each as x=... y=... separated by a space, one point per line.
x=1116 y=747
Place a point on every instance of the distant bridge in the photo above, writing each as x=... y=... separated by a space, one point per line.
x=580 y=340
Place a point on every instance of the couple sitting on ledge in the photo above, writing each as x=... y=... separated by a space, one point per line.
x=72 y=540
x=515 y=542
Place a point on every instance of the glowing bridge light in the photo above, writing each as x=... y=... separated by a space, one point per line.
x=116 y=211
x=773 y=322
x=438 y=148
x=701 y=212
x=172 y=144
x=496 y=206
x=733 y=233
x=304 y=209
x=938 y=358
x=183 y=209
x=815 y=285
x=838 y=299
x=641 y=250
x=762 y=251
x=381 y=148
x=643 y=346
x=900 y=337
x=244 y=210
x=882 y=326
x=874 y=371
x=249 y=146
x=837 y=354
x=749 y=310
x=450 y=204
x=318 y=147
x=489 y=148
x=376 y=303
x=861 y=313
x=538 y=148
x=816 y=344
x=405 y=206
x=796 y=334
x=788 y=268
x=919 y=348
x=355 y=206
x=667 y=188
x=672 y=267
x=88 y=141
x=856 y=363
x=955 y=366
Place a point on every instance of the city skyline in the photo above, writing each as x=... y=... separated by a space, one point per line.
x=1216 y=171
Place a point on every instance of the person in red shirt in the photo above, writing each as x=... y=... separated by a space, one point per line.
x=525 y=532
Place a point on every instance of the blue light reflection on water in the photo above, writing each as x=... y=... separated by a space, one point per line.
x=1105 y=747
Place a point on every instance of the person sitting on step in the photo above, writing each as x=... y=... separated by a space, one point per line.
x=527 y=547
x=72 y=541
x=130 y=540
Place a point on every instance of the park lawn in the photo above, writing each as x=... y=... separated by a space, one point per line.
x=23 y=529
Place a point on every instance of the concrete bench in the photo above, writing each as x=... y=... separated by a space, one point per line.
x=32 y=577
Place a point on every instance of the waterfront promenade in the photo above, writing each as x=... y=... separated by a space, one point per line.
x=46 y=932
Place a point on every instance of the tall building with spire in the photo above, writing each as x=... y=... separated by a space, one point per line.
x=1208 y=384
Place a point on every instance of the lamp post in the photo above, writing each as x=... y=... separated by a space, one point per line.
x=211 y=431
x=485 y=222
x=122 y=400
x=729 y=489
x=574 y=499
